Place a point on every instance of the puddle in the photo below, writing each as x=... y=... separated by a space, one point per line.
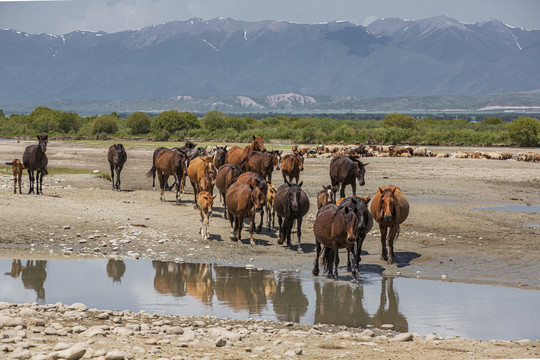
x=519 y=208
x=421 y=306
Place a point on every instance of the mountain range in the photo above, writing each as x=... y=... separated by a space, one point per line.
x=224 y=57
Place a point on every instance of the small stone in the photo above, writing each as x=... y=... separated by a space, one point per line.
x=221 y=342
x=387 y=326
x=67 y=227
x=103 y=316
x=432 y=337
x=115 y=355
x=402 y=337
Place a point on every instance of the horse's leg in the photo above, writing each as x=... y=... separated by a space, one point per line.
x=288 y=224
x=251 y=227
x=259 y=227
x=233 y=226
x=195 y=192
x=268 y=215
x=20 y=182
x=39 y=175
x=118 y=171
x=336 y=263
x=349 y=264
x=394 y=232
x=353 y=185
x=359 y=242
x=111 y=166
x=162 y=180
x=299 y=234
x=225 y=212
x=383 y=230
x=284 y=177
x=315 y=270
x=342 y=190
x=281 y=230
x=354 y=250
x=15 y=183
x=239 y=225
x=31 y=181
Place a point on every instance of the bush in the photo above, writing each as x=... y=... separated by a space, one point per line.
x=524 y=131
x=172 y=121
x=138 y=123
x=105 y=124
x=214 y=120
x=399 y=120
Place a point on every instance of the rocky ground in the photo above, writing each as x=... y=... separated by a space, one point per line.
x=445 y=236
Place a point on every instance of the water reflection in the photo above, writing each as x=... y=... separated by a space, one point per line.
x=199 y=289
x=116 y=269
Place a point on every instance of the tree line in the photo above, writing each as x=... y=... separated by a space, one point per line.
x=394 y=128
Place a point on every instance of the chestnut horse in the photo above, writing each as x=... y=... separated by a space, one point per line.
x=35 y=159
x=270 y=210
x=262 y=163
x=237 y=154
x=205 y=201
x=195 y=171
x=251 y=178
x=389 y=208
x=168 y=163
x=226 y=176
x=334 y=228
x=16 y=167
x=117 y=158
x=291 y=165
x=242 y=202
x=326 y=196
x=345 y=170
x=291 y=203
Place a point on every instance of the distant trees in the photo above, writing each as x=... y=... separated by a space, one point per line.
x=138 y=123
x=105 y=124
x=399 y=120
x=173 y=122
x=524 y=131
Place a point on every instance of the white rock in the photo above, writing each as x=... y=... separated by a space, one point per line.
x=115 y=355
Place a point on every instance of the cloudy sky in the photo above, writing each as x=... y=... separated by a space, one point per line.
x=61 y=17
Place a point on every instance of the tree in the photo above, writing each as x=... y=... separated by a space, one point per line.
x=67 y=121
x=107 y=124
x=138 y=123
x=524 y=131
x=214 y=120
x=399 y=120
x=172 y=121
x=492 y=121
x=42 y=119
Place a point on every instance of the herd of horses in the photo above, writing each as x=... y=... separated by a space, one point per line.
x=243 y=177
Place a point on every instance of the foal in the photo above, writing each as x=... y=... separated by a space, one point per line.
x=205 y=201
x=17 y=167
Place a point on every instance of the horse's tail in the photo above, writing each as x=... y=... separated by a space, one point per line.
x=11 y=162
x=327 y=259
x=243 y=160
x=151 y=172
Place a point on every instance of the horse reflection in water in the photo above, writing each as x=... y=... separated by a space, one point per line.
x=184 y=279
x=33 y=275
x=243 y=289
x=289 y=301
x=342 y=304
x=116 y=269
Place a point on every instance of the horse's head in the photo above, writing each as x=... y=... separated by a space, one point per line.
x=299 y=159
x=276 y=159
x=118 y=153
x=351 y=222
x=387 y=204
x=190 y=145
x=257 y=197
x=360 y=172
x=257 y=144
x=294 y=194
x=43 y=138
x=221 y=153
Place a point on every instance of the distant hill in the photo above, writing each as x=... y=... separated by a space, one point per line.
x=209 y=61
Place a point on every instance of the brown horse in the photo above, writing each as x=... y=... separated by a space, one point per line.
x=117 y=158
x=291 y=165
x=335 y=228
x=205 y=201
x=262 y=163
x=196 y=169
x=169 y=163
x=35 y=159
x=291 y=203
x=270 y=211
x=237 y=154
x=206 y=183
x=16 y=167
x=242 y=202
x=220 y=156
x=326 y=196
x=345 y=170
x=251 y=178
x=389 y=208
x=226 y=176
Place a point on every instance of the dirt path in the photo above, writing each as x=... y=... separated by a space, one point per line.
x=445 y=233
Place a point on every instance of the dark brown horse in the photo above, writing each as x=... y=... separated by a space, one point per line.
x=16 y=168
x=117 y=158
x=345 y=170
x=226 y=176
x=196 y=169
x=254 y=179
x=242 y=202
x=334 y=228
x=291 y=165
x=169 y=163
x=262 y=163
x=365 y=223
x=291 y=203
x=389 y=208
x=219 y=156
x=237 y=154
x=35 y=159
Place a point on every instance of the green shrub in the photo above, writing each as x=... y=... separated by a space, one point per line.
x=138 y=123
x=105 y=124
x=399 y=120
x=524 y=131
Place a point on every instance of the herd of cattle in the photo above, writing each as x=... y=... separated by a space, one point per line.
x=243 y=178
x=327 y=151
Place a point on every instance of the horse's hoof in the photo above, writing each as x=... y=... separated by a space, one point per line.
x=299 y=249
x=258 y=229
x=315 y=272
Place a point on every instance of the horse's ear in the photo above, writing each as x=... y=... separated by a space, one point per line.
x=324 y=187
x=380 y=190
x=366 y=199
x=253 y=137
x=225 y=148
x=39 y=137
x=262 y=136
x=213 y=197
x=301 y=182
x=366 y=164
x=334 y=188
x=288 y=183
x=346 y=210
x=394 y=189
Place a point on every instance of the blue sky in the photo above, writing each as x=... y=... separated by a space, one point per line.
x=60 y=17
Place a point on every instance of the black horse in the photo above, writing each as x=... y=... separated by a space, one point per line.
x=291 y=203
x=35 y=159
x=117 y=158
x=345 y=170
